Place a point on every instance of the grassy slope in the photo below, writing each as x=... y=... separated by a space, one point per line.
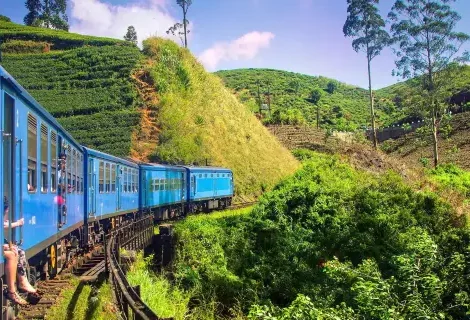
x=353 y=101
x=201 y=119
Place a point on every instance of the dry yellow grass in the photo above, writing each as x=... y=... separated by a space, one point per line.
x=200 y=119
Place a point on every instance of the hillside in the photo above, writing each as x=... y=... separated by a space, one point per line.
x=414 y=148
x=88 y=90
x=200 y=119
x=344 y=109
x=157 y=105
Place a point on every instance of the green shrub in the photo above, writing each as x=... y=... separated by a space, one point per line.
x=24 y=46
x=60 y=40
x=450 y=175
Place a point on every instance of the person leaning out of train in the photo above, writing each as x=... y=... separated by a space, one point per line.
x=16 y=264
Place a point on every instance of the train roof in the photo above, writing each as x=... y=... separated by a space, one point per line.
x=109 y=157
x=207 y=168
x=160 y=166
x=40 y=110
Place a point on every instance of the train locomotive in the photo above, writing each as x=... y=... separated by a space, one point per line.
x=70 y=195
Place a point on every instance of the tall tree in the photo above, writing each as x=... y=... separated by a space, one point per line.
x=185 y=4
x=315 y=97
x=47 y=13
x=365 y=24
x=428 y=48
x=34 y=8
x=131 y=35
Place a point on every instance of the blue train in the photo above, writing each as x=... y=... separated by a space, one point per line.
x=68 y=194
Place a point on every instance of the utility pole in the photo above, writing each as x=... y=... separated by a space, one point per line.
x=259 y=98
x=269 y=99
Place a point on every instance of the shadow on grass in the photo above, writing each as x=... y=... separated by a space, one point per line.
x=74 y=300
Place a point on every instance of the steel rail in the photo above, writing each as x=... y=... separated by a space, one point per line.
x=130 y=236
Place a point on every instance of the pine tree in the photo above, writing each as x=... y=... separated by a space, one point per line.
x=131 y=35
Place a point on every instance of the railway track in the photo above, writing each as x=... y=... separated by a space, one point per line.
x=52 y=288
x=106 y=259
x=242 y=205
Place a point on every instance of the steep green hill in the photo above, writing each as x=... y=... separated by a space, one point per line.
x=88 y=90
x=344 y=109
x=157 y=105
x=201 y=119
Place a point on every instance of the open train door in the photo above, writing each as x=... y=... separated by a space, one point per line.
x=11 y=148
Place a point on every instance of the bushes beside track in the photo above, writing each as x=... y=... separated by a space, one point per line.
x=332 y=242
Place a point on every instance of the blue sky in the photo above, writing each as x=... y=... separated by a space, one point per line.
x=296 y=35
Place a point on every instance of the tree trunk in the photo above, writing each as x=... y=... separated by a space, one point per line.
x=434 y=140
x=318 y=117
x=184 y=26
x=372 y=113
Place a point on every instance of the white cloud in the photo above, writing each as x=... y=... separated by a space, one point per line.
x=246 y=47
x=98 y=18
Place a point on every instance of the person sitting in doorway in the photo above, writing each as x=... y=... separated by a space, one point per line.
x=16 y=263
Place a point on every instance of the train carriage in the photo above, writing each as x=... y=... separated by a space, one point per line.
x=70 y=196
x=208 y=188
x=163 y=190
x=42 y=176
x=112 y=188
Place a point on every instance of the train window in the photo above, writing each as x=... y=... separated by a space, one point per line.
x=200 y=175
x=133 y=180
x=113 y=178
x=126 y=180
x=136 y=181
x=162 y=184
x=205 y=175
x=53 y=153
x=101 y=177
x=91 y=183
x=107 y=175
x=44 y=178
x=77 y=171
x=69 y=168
x=212 y=175
x=80 y=172
x=73 y=172
x=32 y=153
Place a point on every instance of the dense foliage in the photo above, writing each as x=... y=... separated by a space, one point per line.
x=333 y=242
x=342 y=106
x=200 y=119
x=88 y=90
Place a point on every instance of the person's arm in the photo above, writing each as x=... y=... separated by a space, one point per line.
x=15 y=224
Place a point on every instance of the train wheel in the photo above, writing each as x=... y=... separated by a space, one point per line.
x=52 y=260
